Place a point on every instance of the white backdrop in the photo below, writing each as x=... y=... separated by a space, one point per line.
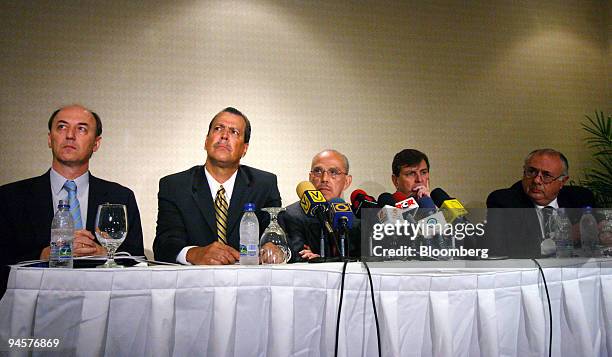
x=474 y=85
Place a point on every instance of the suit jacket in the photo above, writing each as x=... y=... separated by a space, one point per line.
x=27 y=211
x=513 y=228
x=302 y=229
x=186 y=212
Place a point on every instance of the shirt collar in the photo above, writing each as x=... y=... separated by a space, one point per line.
x=57 y=182
x=554 y=204
x=227 y=185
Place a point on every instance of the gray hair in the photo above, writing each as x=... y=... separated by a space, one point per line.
x=550 y=152
x=342 y=156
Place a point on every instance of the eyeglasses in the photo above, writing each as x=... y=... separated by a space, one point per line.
x=532 y=172
x=333 y=172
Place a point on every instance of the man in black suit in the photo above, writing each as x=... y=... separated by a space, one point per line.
x=329 y=173
x=518 y=216
x=29 y=205
x=199 y=210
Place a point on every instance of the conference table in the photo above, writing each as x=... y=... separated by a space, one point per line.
x=454 y=308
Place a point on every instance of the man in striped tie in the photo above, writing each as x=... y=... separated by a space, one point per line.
x=25 y=223
x=199 y=210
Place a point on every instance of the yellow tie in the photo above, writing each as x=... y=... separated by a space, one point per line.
x=221 y=215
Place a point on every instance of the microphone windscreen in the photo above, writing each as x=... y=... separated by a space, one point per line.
x=399 y=196
x=356 y=193
x=303 y=187
x=386 y=199
x=438 y=195
x=426 y=202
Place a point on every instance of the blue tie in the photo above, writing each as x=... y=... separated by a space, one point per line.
x=73 y=201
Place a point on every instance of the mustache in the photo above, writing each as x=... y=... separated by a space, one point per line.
x=225 y=145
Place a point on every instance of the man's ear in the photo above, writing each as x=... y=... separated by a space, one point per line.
x=347 y=183
x=394 y=179
x=246 y=147
x=564 y=180
x=97 y=143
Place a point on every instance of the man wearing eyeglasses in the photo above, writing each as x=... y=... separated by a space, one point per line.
x=329 y=173
x=518 y=217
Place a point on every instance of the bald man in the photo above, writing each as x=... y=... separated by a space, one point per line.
x=329 y=173
x=75 y=133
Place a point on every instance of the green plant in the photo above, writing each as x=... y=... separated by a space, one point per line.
x=599 y=177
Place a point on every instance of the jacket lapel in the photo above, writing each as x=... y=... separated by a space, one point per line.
x=97 y=196
x=203 y=198
x=42 y=199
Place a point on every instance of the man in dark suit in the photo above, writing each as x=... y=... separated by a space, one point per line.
x=329 y=173
x=199 y=210
x=25 y=218
x=518 y=217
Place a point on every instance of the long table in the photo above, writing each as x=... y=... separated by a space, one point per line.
x=291 y=310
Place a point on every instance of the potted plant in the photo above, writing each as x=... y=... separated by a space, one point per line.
x=599 y=139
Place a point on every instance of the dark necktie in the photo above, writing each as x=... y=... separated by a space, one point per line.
x=221 y=215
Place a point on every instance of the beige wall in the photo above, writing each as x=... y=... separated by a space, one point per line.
x=475 y=85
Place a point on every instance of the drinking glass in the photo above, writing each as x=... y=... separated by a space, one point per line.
x=605 y=233
x=274 y=248
x=111 y=230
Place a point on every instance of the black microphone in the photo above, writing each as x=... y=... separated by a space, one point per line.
x=386 y=199
x=360 y=200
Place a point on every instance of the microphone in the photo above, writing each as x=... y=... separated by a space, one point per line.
x=452 y=208
x=314 y=204
x=312 y=201
x=386 y=199
x=427 y=207
x=342 y=220
x=404 y=202
x=340 y=213
x=360 y=199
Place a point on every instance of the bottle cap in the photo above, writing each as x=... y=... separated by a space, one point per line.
x=249 y=207
x=63 y=204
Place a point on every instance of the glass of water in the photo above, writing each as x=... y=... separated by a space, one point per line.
x=111 y=230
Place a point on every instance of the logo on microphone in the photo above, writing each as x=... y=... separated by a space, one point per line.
x=311 y=197
x=305 y=203
x=408 y=203
x=342 y=207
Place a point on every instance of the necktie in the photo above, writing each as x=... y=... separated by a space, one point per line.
x=73 y=201
x=547 y=214
x=221 y=215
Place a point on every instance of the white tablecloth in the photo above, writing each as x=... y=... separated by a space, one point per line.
x=291 y=310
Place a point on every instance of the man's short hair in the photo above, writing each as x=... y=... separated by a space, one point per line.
x=94 y=114
x=550 y=152
x=407 y=157
x=231 y=110
x=345 y=161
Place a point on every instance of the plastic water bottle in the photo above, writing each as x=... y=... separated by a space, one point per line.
x=249 y=236
x=563 y=239
x=588 y=232
x=62 y=235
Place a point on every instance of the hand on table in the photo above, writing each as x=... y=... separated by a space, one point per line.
x=215 y=253
x=307 y=254
x=270 y=253
x=83 y=244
